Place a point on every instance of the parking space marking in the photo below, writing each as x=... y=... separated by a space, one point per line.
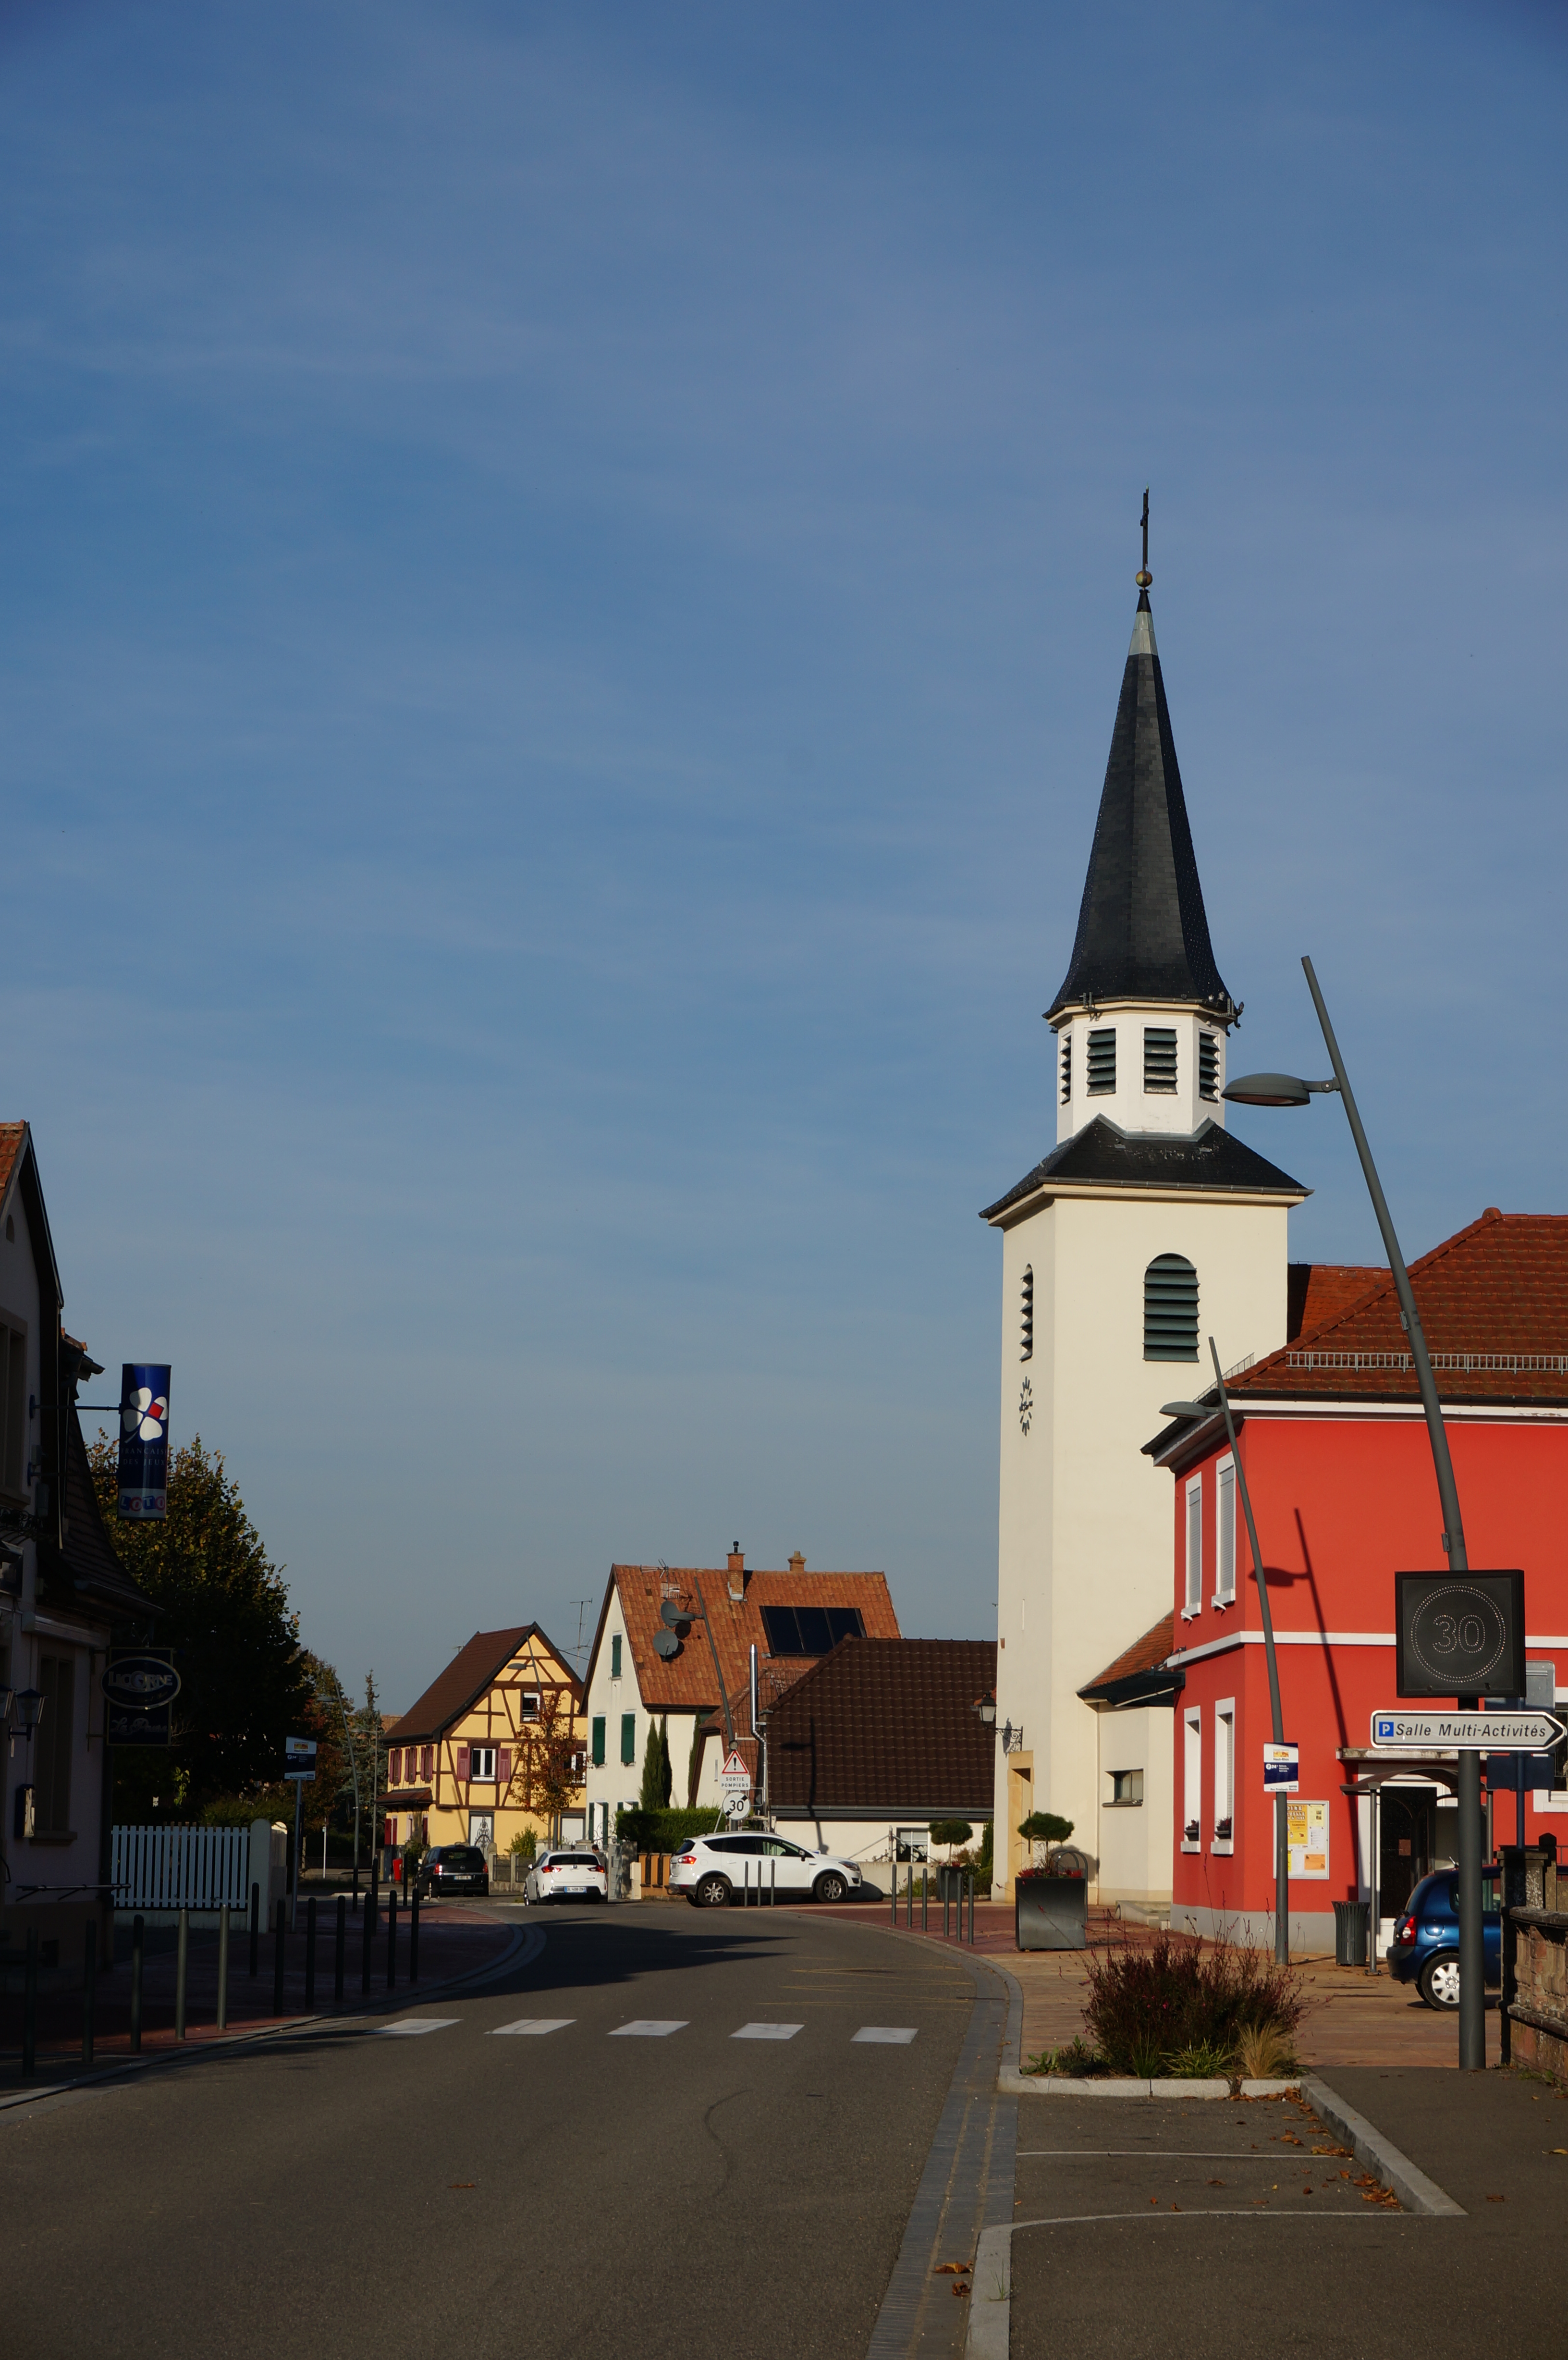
x=891 y=2036
x=650 y=2028
x=532 y=2024
x=768 y=2032
x=411 y=2026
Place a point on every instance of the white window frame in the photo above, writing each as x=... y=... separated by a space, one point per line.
x=1193 y=1776
x=1120 y=1802
x=478 y=1754
x=1194 y=1593
x=1224 y=1773
x=530 y=1702
x=1225 y=1531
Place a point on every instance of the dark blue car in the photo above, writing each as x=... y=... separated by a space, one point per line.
x=1425 y=1948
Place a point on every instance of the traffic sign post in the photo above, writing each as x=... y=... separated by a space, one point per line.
x=299 y=1770
x=735 y=1786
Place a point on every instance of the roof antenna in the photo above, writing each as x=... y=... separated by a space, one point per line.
x=1145 y=577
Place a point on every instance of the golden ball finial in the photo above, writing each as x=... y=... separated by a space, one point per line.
x=1143 y=578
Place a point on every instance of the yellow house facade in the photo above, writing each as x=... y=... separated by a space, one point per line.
x=492 y=1748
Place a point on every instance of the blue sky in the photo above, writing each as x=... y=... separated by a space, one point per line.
x=565 y=580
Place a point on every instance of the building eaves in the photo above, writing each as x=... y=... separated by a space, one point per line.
x=1103 y=1155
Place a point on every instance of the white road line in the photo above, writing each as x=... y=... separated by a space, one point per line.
x=768 y=2032
x=410 y=2024
x=650 y=2028
x=532 y=2024
x=893 y=2036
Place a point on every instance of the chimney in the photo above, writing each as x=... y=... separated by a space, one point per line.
x=797 y=1562
x=737 y=1572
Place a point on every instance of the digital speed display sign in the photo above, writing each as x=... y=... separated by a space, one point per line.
x=1460 y=1633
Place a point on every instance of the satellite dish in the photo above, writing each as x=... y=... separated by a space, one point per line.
x=666 y=1644
x=673 y=1613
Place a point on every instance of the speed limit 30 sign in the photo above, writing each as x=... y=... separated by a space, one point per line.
x=1459 y=1634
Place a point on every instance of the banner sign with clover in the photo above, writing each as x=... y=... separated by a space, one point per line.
x=144 y=1440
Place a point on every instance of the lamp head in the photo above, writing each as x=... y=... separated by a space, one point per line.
x=29 y=1709
x=1267 y=1090
x=1188 y=1409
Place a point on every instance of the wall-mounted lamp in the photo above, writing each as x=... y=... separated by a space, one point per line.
x=985 y=1706
x=30 y=1711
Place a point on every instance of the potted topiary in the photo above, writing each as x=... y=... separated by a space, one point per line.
x=1052 y=1896
x=949 y=1876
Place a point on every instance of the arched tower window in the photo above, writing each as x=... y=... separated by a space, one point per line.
x=1170 y=1309
x=1026 y=1316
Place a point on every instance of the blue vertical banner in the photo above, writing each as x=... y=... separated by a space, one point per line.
x=144 y=1440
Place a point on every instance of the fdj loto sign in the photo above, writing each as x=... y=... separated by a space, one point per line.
x=144 y=1440
x=300 y=1760
x=1459 y=1634
x=138 y=1691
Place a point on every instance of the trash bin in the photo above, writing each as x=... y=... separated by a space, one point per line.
x=1352 y=1925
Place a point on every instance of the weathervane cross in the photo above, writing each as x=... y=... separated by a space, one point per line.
x=1145 y=577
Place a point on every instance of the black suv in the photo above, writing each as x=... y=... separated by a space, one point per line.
x=453 y=1868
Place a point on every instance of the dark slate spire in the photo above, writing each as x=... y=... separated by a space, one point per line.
x=1143 y=934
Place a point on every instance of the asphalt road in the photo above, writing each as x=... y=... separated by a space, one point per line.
x=586 y=2191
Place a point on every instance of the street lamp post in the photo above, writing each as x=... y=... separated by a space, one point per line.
x=1281 y=1808
x=1289 y=1090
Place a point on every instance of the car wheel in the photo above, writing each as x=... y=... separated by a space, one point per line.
x=712 y=1891
x=830 y=1886
x=1440 y=1982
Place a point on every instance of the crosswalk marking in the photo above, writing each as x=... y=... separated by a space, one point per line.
x=410 y=2024
x=650 y=2028
x=533 y=2024
x=768 y=2032
x=893 y=2036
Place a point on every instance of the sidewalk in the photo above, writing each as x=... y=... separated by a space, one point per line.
x=453 y=1941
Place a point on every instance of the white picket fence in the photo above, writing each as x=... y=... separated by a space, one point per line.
x=180 y=1868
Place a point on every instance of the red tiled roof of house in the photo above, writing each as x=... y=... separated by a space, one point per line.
x=12 y=1135
x=886 y=1724
x=1494 y=1305
x=467 y=1676
x=1316 y=1290
x=1145 y=1654
x=685 y=1682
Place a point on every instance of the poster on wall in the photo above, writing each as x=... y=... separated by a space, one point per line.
x=1306 y=1828
x=144 y=1440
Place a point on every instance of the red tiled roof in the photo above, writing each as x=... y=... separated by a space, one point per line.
x=12 y=1135
x=1494 y=1305
x=887 y=1725
x=466 y=1677
x=1316 y=1290
x=1145 y=1654
x=685 y=1682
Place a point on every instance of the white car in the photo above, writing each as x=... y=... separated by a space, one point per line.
x=567 y=1877
x=712 y=1870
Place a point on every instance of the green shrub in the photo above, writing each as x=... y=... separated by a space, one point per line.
x=985 y=1865
x=639 y=1830
x=950 y=1831
x=1203 y=2063
x=1045 y=1826
x=524 y=1844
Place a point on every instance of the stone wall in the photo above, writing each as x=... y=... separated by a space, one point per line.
x=1535 y=1964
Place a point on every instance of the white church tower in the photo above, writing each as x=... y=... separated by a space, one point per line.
x=1145 y=1231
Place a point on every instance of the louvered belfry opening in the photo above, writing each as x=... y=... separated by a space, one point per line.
x=1102 y=1060
x=1208 y=1066
x=1159 y=1058
x=1026 y=1317
x=1170 y=1309
x=1066 y=1067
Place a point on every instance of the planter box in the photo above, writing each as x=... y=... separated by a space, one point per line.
x=1050 y=1913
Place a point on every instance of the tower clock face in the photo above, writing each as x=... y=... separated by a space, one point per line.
x=1026 y=1406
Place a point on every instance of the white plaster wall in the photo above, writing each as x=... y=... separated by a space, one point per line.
x=1084 y=1526
x=1134 y=1842
x=1130 y=1104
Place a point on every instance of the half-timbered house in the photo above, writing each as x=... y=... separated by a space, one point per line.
x=494 y=1746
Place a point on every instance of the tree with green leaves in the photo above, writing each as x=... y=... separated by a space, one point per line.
x=654 y=1771
x=244 y=1681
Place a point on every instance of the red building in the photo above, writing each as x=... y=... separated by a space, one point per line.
x=1334 y=1448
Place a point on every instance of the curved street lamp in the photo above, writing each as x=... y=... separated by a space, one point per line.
x=1291 y=1090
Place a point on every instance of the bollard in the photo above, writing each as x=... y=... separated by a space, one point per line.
x=311 y=1956
x=181 y=1968
x=255 y=1929
x=946 y=1885
x=909 y=1896
x=278 y=1940
x=339 y=1940
x=138 y=1953
x=366 y=1933
x=414 y=1936
x=895 y=1888
x=773 y=1884
x=30 y=2004
x=89 y=1988
x=925 y=1897
x=223 y=1968
x=391 y=1938
x=971 y=1908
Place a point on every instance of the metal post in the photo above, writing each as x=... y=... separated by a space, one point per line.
x=311 y=1956
x=1374 y=1865
x=255 y=1929
x=391 y=1938
x=278 y=1941
x=30 y=2004
x=1472 y=1986
x=340 y=1941
x=181 y=1968
x=909 y=1895
x=223 y=1968
x=971 y=1908
x=925 y=1895
x=895 y=1882
x=414 y=1935
x=139 y=1954
x=1281 y=1824
x=773 y=1884
x=294 y=1895
x=367 y=1935
x=89 y=1988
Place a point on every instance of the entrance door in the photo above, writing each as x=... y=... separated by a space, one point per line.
x=1406 y=1831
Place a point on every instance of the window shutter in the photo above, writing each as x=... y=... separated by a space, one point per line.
x=1208 y=1066
x=504 y=1766
x=598 y=1741
x=628 y=1737
x=1066 y=1067
x=1170 y=1309
x=1102 y=1061
x=426 y=1762
x=616 y=1657
x=462 y=1764
x=393 y=1765
x=1160 y=1057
